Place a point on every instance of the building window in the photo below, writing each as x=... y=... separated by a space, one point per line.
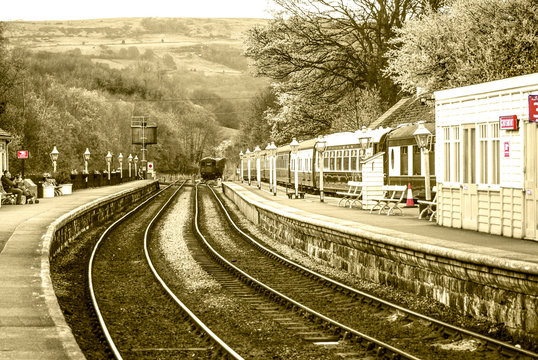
x=404 y=161
x=495 y=154
x=483 y=139
x=446 y=139
x=469 y=155
x=392 y=158
x=456 y=145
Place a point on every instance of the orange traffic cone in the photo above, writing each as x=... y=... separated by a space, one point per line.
x=410 y=201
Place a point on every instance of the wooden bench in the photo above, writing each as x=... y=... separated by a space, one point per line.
x=431 y=206
x=352 y=195
x=391 y=198
x=7 y=198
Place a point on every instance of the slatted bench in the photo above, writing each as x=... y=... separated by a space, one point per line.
x=291 y=193
x=7 y=198
x=352 y=195
x=391 y=198
x=431 y=206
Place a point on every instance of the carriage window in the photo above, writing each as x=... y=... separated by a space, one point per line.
x=346 y=160
x=353 y=160
x=332 y=165
x=392 y=158
x=339 y=160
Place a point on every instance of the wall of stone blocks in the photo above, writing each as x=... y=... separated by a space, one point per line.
x=482 y=291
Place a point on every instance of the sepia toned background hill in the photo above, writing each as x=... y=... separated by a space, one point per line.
x=188 y=75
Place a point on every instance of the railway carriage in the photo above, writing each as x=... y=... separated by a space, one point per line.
x=402 y=159
x=212 y=168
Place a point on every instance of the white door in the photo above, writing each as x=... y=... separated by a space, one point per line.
x=469 y=190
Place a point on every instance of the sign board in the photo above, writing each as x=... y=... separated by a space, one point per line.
x=22 y=154
x=150 y=166
x=533 y=108
x=508 y=122
x=506 y=149
x=144 y=135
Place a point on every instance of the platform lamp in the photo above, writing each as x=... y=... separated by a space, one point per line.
x=247 y=153
x=86 y=156
x=424 y=137
x=258 y=167
x=120 y=159
x=295 y=149
x=321 y=145
x=364 y=142
x=54 y=157
x=130 y=159
x=272 y=151
x=270 y=155
x=108 y=159
x=136 y=163
x=241 y=155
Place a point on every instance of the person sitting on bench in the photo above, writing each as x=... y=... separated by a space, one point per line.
x=25 y=190
x=10 y=186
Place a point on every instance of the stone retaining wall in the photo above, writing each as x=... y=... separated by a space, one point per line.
x=68 y=227
x=470 y=283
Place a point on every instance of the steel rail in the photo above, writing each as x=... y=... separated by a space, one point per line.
x=198 y=322
x=95 y=304
x=374 y=298
x=249 y=279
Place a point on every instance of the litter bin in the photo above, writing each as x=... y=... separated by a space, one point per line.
x=40 y=189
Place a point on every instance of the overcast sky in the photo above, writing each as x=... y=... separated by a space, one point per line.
x=96 y=9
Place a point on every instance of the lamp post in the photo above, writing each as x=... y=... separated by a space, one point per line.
x=54 y=157
x=258 y=168
x=294 y=149
x=270 y=155
x=321 y=145
x=130 y=158
x=108 y=158
x=248 y=165
x=273 y=155
x=120 y=159
x=136 y=163
x=241 y=155
x=364 y=142
x=423 y=138
x=86 y=159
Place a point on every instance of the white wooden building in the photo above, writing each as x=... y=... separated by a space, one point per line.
x=486 y=157
x=5 y=138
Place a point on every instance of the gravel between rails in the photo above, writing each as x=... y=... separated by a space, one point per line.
x=253 y=337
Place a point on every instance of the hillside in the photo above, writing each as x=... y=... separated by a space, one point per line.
x=202 y=54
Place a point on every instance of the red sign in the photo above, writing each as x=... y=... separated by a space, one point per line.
x=22 y=154
x=508 y=122
x=533 y=108
x=507 y=149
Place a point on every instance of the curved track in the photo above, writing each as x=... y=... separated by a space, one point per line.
x=345 y=310
x=139 y=315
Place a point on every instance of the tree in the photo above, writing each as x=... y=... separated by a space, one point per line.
x=326 y=52
x=11 y=65
x=470 y=42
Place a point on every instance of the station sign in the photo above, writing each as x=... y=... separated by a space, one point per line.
x=150 y=166
x=533 y=108
x=22 y=154
x=508 y=122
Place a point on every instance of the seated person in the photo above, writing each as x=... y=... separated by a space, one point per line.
x=10 y=187
x=25 y=190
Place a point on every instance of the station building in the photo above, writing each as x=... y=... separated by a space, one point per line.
x=486 y=157
x=5 y=138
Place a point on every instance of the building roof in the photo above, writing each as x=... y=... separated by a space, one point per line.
x=5 y=134
x=407 y=111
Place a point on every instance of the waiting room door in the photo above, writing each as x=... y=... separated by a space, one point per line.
x=531 y=182
x=469 y=191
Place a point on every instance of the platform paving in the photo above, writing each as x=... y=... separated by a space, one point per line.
x=31 y=323
x=507 y=252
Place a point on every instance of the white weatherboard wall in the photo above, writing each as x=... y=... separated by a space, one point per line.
x=372 y=180
x=507 y=207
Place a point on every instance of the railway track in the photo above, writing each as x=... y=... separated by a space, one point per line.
x=139 y=315
x=342 y=314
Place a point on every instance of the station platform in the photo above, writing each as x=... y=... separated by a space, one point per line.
x=31 y=323
x=505 y=252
